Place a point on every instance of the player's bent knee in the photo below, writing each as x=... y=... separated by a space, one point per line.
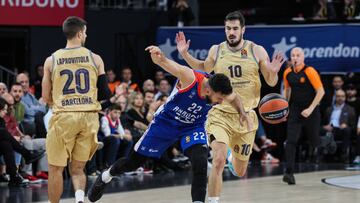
x=219 y=163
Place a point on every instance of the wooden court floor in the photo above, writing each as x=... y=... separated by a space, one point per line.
x=309 y=189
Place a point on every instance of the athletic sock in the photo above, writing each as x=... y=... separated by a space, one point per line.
x=214 y=199
x=106 y=177
x=79 y=196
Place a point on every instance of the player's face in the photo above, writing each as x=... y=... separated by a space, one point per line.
x=82 y=36
x=297 y=57
x=234 y=32
x=214 y=97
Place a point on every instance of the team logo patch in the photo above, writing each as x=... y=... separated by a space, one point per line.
x=243 y=53
x=187 y=139
x=236 y=148
x=302 y=80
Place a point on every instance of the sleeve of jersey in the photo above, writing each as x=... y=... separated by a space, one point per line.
x=314 y=78
x=286 y=83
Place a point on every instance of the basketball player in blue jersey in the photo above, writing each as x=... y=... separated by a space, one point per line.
x=182 y=118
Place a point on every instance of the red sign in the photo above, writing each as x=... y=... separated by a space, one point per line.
x=39 y=12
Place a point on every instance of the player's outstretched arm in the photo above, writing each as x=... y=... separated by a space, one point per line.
x=46 y=82
x=235 y=101
x=183 y=73
x=183 y=47
x=268 y=68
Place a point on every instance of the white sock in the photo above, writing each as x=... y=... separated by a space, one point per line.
x=213 y=199
x=79 y=196
x=106 y=177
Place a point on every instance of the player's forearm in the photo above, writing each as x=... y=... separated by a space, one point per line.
x=193 y=62
x=271 y=79
x=237 y=104
x=171 y=67
x=316 y=101
x=287 y=93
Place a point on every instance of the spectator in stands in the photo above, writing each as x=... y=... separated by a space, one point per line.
x=349 y=9
x=352 y=99
x=148 y=99
x=37 y=80
x=304 y=91
x=324 y=10
x=114 y=135
x=126 y=76
x=148 y=85
x=113 y=83
x=19 y=108
x=164 y=88
x=3 y=88
x=329 y=98
x=266 y=145
x=339 y=119
x=27 y=141
x=136 y=113
x=180 y=13
x=8 y=145
x=159 y=75
x=32 y=106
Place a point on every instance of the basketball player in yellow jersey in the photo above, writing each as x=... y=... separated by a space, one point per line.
x=240 y=60
x=72 y=76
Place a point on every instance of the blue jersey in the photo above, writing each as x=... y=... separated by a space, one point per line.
x=182 y=118
x=186 y=107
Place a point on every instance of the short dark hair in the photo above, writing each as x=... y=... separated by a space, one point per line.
x=148 y=91
x=236 y=15
x=3 y=103
x=72 y=25
x=15 y=84
x=220 y=83
x=115 y=107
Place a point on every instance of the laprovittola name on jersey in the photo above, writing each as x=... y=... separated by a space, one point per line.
x=79 y=59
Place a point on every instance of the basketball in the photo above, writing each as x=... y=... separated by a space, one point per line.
x=273 y=108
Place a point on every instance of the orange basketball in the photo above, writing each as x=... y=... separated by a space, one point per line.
x=273 y=108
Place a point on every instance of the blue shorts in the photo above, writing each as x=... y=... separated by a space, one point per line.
x=162 y=134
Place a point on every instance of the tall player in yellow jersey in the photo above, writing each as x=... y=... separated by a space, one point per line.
x=70 y=86
x=240 y=60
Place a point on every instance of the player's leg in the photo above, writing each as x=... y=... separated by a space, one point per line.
x=58 y=145
x=294 y=127
x=241 y=143
x=194 y=143
x=241 y=148
x=55 y=183
x=78 y=179
x=218 y=136
x=149 y=145
x=219 y=150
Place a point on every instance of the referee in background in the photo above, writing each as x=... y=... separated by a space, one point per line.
x=304 y=91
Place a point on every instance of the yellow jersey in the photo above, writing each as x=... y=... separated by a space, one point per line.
x=74 y=80
x=242 y=68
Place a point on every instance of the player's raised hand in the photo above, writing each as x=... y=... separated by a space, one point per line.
x=278 y=60
x=181 y=44
x=157 y=56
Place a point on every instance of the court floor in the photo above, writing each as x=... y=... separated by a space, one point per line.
x=309 y=188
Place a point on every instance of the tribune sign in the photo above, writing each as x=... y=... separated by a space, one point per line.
x=39 y=12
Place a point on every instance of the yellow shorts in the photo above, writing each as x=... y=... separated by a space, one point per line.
x=72 y=135
x=226 y=128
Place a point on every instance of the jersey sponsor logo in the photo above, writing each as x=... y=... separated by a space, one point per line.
x=153 y=150
x=190 y=115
